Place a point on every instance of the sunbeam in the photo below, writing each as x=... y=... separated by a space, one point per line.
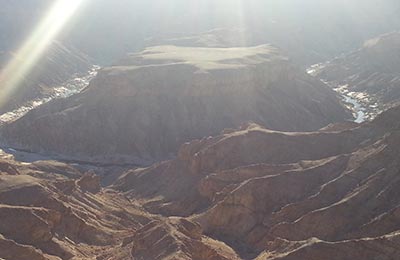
x=26 y=57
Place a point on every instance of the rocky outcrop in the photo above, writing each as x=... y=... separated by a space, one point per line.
x=249 y=193
x=293 y=195
x=90 y=182
x=8 y=168
x=9 y=249
x=290 y=204
x=151 y=103
x=46 y=215
x=176 y=238
x=385 y=248
x=223 y=162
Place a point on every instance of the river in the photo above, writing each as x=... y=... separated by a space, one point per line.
x=69 y=88
x=73 y=86
x=354 y=101
x=363 y=106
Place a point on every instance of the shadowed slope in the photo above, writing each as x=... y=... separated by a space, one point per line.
x=151 y=103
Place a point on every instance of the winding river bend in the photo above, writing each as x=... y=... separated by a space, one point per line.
x=69 y=88
x=73 y=86
x=353 y=100
x=357 y=108
x=359 y=103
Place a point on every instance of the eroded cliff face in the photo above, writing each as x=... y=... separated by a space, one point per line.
x=277 y=195
x=151 y=103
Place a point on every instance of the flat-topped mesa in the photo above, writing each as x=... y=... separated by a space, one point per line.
x=144 y=108
x=196 y=71
x=205 y=58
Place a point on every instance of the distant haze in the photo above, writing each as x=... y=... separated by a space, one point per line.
x=107 y=29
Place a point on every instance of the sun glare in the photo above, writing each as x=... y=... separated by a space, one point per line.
x=26 y=57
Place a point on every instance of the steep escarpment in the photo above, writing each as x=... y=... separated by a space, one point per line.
x=277 y=195
x=151 y=103
x=57 y=65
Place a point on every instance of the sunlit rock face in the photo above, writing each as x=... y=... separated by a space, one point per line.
x=58 y=64
x=154 y=101
x=373 y=71
x=177 y=238
x=328 y=194
x=49 y=211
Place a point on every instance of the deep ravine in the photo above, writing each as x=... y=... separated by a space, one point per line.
x=360 y=103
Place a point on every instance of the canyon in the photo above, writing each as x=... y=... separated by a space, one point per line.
x=249 y=193
x=152 y=102
x=200 y=130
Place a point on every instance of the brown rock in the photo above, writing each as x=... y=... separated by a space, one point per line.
x=176 y=238
x=90 y=182
x=48 y=216
x=9 y=249
x=385 y=248
x=317 y=193
x=144 y=109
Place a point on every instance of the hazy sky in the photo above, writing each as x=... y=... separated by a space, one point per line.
x=108 y=27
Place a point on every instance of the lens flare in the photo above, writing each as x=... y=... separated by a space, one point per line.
x=241 y=23
x=31 y=51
